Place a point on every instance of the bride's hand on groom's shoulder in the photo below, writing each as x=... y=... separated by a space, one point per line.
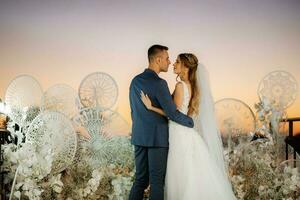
x=146 y=100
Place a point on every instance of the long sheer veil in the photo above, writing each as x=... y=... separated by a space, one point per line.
x=205 y=121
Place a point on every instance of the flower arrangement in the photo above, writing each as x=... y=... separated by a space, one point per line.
x=30 y=170
x=82 y=180
x=86 y=178
x=253 y=167
x=269 y=115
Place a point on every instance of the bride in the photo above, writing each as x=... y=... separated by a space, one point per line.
x=195 y=169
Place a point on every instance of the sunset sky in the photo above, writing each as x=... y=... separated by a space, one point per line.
x=239 y=41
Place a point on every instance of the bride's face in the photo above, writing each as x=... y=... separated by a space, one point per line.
x=177 y=66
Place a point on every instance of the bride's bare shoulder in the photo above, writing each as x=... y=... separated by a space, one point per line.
x=178 y=87
x=179 y=84
x=178 y=94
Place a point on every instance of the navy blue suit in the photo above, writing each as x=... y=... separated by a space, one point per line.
x=150 y=133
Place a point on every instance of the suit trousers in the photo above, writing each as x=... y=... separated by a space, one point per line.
x=151 y=164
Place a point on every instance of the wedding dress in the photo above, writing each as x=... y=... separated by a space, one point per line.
x=193 y=172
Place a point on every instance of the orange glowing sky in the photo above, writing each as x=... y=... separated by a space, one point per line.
x=63 y=41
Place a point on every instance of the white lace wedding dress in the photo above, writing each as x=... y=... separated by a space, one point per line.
x=192 y=174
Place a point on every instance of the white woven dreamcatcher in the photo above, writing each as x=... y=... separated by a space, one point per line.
x=105 y=127
x=98 y=90
x=279 y=87
x=23 y=93
x=60 y=98
x=235 y=119
x=63 y=139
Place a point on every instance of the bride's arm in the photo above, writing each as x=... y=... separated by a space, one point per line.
x=178 y=99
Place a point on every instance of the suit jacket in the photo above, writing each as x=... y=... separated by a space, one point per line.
x=149 y=128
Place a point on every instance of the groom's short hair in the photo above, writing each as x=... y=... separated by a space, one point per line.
x=154 y=50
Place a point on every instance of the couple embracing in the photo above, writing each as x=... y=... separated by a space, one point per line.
x=178 y=147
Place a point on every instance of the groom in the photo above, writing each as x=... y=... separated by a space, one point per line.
x=150 y=132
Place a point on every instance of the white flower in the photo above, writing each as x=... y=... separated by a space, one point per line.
x=57 y=189
x=293 y=188
x=17 y=194
x=285 y=191
x=261 y=188
x=87 y=190
x=287 y=170
x=56 y=183
x=295 y=171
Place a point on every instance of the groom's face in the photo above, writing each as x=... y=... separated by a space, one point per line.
x=164 y=61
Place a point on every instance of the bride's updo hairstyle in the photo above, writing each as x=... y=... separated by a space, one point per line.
x=190 y=61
